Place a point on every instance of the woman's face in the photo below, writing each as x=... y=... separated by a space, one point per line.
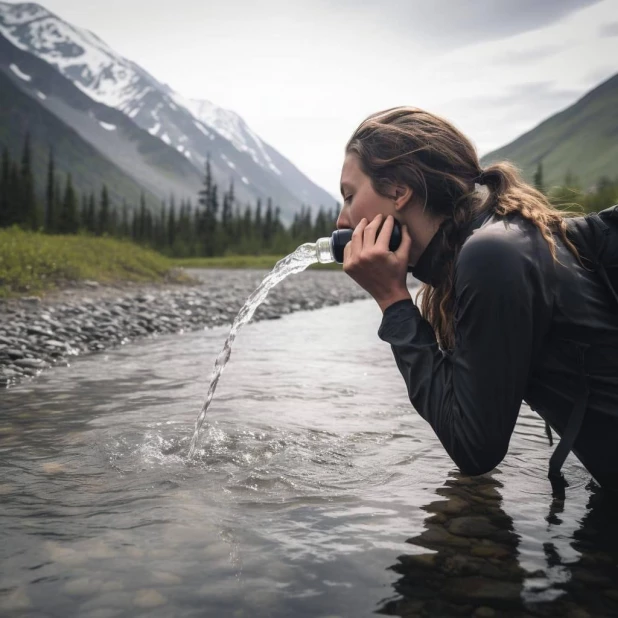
x=359 y=197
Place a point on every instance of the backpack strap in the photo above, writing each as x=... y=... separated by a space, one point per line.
x=556 y=478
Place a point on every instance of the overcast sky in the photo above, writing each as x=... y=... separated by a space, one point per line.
x=304 y=73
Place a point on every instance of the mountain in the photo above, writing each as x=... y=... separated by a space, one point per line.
x=154 y=165
x=195 y=129
x=582 y=139
x=20 y=113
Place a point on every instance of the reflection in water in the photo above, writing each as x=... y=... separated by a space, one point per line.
x=310 y=478
x=473 y=567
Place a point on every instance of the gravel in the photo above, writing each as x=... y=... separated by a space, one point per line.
x=36 y=334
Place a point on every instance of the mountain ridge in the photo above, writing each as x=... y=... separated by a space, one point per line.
x=581 y=139
x=107 y=77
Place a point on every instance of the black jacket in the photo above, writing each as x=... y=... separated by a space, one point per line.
x=527 y=328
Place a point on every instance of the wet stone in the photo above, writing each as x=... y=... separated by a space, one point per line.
x=484 y=612
x=15 y=601
x=83 y=586
x=30 y=363
x=474 y=526
x=149 y=598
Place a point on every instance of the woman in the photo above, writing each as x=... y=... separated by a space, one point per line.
x=508 y=311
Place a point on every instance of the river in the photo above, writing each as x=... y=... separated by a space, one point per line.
x=316 y=490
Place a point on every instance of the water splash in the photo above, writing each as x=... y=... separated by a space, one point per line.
x=294 y=263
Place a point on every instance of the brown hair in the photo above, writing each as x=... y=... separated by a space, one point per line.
x=409 y=146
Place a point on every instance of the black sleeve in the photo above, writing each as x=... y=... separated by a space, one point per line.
x=471 y=397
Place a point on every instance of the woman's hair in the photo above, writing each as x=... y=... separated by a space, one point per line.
x=409 y=146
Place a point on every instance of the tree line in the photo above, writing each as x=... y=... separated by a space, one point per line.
x=570 y=192
x=216 y=224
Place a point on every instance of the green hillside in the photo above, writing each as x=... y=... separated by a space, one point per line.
x=19 y=114
x=582 y=140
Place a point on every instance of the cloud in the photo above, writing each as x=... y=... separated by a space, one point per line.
x=451 y=24
x=609 y=30
x=528 y=56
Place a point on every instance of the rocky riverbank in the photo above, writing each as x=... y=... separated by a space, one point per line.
x=36 y=334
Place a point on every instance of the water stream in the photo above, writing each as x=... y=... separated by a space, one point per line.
x=296 y=262
x=316 y=491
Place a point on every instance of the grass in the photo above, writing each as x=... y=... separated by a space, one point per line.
x=31 y=262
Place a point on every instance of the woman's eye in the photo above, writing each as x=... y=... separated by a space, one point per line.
x=347 y=199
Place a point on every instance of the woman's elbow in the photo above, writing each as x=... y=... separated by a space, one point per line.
x=478 y=463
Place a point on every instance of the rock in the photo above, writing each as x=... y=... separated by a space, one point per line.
x=30 y=300
x=436 y=536
x=30 y=363
x=420 y=560
x=474 y=526
x=84 y=586
x=15 y=601
x=35 y=330
x=52 y=467
x=484 y=612
x=149 y=598
x=491 y=550
x=481 y=589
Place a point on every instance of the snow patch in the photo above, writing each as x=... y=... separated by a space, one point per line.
x=201 y=128
x=230 y=164
x=108 y=127
x=41 y=95
x=180 y=148
x=166 y=139
x=134 y=112
x=187 y=154
x=154 y=130
x=244 y=179
x=20 y=73
x=273 y=167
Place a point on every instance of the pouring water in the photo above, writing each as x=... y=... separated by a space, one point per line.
x=325 y=250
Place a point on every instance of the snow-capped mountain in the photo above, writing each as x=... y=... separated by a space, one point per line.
x=232 y=127
x=159 y=169
x=196 y=129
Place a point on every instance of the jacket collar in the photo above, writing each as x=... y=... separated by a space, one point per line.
x=430 y=266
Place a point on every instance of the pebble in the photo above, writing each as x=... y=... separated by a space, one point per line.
x=94 y=318
x=149 y=598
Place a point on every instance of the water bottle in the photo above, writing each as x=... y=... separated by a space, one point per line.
x=330 y=248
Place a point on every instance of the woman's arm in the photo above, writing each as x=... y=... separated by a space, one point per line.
x=472 y=397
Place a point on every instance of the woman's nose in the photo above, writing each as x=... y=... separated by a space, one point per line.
x=343 y=220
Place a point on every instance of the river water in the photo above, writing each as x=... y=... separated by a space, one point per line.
x=315 y=490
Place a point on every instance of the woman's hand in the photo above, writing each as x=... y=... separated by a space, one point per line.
x=368 y=260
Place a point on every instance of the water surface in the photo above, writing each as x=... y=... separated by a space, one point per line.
x=315 y=490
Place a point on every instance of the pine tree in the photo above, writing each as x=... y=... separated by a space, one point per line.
x=68 y=222
x=14 y=195
x=171 y=226
x=83 y=213
x=5 y=173
x=257 y=222
x=268 y=231
x=125 y=229
x=30 y=215
x=91 y=222
x=538 y=178
x=103 y=219
x=50 y=195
